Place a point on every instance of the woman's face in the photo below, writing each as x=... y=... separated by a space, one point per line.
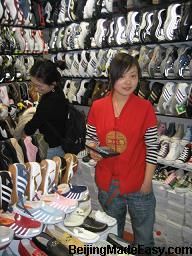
x=41 y=87
x=127 y=84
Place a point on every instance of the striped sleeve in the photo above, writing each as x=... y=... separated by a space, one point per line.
x=151 y=145
x=91 y=134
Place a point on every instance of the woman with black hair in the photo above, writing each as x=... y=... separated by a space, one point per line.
x=51 y=111
x=127 y=124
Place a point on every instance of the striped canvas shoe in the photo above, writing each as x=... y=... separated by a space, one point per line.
x=6 y=187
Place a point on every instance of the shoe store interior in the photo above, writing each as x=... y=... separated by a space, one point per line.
x=56 y=199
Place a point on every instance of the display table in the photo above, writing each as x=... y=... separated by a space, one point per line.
x=14 y=244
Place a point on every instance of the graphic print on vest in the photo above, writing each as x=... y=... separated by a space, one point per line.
x=116 y=141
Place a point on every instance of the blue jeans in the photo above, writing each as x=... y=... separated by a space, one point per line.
x=141 y=208
x=57 y=151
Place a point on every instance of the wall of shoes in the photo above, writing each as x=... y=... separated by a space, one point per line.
x=82 y=37
x=87 y=34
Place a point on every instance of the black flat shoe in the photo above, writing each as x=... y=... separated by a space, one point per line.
x=117 y=241
x=93 y=225
x=50 y=245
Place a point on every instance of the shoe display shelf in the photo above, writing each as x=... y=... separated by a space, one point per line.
x=176 y=165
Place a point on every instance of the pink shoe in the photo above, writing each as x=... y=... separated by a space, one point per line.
x=66 y=205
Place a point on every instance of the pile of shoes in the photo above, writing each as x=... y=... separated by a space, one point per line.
x=156 y=25
x=37 y=194
x=175 y=145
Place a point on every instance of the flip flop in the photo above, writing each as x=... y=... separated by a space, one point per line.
x=6 y=236
x=22 y=226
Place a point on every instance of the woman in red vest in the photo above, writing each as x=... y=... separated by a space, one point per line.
x=127 y=124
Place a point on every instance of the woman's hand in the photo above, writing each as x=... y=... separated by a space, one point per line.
x=146 y=187
x=93 y=154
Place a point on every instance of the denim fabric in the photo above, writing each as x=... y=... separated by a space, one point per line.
x=141 y=208
x=57 y=151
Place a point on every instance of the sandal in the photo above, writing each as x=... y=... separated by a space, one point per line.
x=22 y=226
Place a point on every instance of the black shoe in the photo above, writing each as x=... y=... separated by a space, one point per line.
x=189 y=104
x=171 y=130
x=50 y=245
x=79 y=9
x=144 y=90
x=155 y=93
x=167 y=65
x=116 y=241
x=6 y=187
x=157 y=33
x=186 y=20
x=158 y=56
x=93 y=225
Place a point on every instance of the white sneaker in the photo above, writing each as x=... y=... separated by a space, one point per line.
x=81 y=92
x=72 y=91
x=92 y=63
x=103 y=218
x=120 y=31
x=133 y=26
x=66 y=88
x=172 y=20
x=52 y=42
x=89 y=9
x=174 y=152
x=62 y=12
x=84 y=30
x=30 y=42
x=166 y=97
x=75 y=64
x=34 y=179
x=59 y=39
x=85 y=57
x=19 y=37
x=47 y=11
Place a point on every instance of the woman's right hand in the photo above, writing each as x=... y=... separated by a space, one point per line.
x=94 y=155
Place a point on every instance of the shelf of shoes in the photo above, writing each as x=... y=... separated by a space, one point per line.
x=26 y=14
